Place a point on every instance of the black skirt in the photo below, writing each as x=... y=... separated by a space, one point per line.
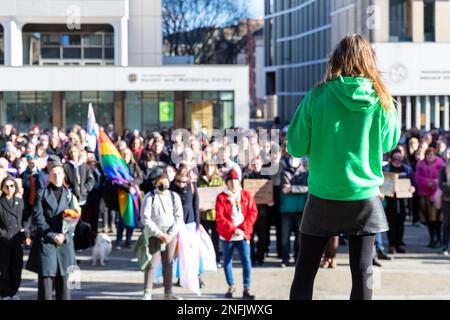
x=326 y=218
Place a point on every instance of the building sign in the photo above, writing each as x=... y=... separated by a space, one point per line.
x=415 y=69
x=166 y=112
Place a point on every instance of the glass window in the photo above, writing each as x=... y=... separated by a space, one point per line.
x=109 y=39
x=400 y=24
x=224 y=95
x=150 y=105
x=71 y=39
x=429 y=8
x=50 y=39
x=133 y=109
x=71 y=53
x=92 y=53
x=196 y=95
x=77 y=105
x=50 y=53
x=84 y=46
x=92 y=40
x=25 y=109
x=210 y=95
x=109 y=53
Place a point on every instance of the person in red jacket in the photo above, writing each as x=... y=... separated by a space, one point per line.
x=236 y=213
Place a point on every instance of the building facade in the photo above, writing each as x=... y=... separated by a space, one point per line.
x=56 y=57
x=411 y=38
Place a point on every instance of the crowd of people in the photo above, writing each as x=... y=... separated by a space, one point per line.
x=44 y=172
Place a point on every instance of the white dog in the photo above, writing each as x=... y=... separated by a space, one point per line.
x=101 y=249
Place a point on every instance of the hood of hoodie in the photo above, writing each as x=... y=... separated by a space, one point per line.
x=356 y=93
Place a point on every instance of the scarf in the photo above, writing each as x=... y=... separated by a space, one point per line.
x=236 y=212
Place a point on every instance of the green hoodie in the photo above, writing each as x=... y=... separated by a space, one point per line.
x=344 y=130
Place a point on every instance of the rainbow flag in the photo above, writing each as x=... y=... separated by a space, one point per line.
x=117 y=171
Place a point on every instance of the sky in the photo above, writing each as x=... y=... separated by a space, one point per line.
x=257 y=8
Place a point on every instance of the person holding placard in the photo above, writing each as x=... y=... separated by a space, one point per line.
x=262 y=225
x=427 y=179
x=396 y=207
x=209 y=178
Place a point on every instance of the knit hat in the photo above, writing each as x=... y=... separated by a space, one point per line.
x=31 y=156
x=232 y=175
x=54 y=158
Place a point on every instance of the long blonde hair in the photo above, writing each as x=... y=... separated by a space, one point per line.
x=355 y=57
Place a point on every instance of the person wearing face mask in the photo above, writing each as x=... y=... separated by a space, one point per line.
x=427 y=180
x=151 y=169
x=444 y=185
x=294 y=184
x=236 y=214
x=162 y=215
x=396 y=209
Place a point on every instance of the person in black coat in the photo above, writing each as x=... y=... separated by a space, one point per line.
x=79 y=176
x=189 y=196
x=12 y=235
x=91 y=210
x=52 y=254
x=397 y=208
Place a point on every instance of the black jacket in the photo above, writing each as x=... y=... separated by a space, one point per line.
x=190 y=201
x=149 y=175
x=46 y=258
x=296 y=178
x=80 y=190
x=11 y=221
x=96 y=194
x=444 y=185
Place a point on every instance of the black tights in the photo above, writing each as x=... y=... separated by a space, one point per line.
x=435 y=230
x=311 y=249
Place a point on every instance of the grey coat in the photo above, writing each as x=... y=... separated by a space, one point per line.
x=46 y=258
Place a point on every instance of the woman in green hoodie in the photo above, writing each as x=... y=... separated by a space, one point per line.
x=345 y=125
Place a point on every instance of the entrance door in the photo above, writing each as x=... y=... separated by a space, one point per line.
x=201 y=115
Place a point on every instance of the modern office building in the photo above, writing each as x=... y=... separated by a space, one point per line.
x=56 y=57
x=411 y=38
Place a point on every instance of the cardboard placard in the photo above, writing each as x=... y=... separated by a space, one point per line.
x=403 y=186
x=260 y=189
x=388 y=186
x=392 y=183
x=207 y=197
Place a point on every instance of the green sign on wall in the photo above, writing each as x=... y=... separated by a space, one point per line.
x=166 y=111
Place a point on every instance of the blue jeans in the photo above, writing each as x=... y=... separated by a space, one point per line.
x=243 y=248
x=290 y=223
x=120 y=228
x=379 y=242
